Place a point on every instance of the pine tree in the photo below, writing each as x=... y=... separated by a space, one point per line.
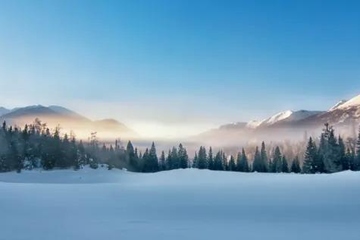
x=202 y=158
x=183 y=157
x=309 y=165
x=175 y=158
x=153 y=159
x=210 y=159
x=232 y=165
x=130 y=156
x=264 y=158
x=295 y=166
x=257 y=163
x=218 y=163
x=169 y=162
x=242 y=162
x=277 y=161
x=195 y=163
x=356 y=166
x=224 y=162
x=328 y=150
x=344 y=161
x=285 y=166
x=350 y=158
x=162 y=162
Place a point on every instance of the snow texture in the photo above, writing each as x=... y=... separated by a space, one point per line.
x=337 y=105
x=181 y=204
x=354 y=102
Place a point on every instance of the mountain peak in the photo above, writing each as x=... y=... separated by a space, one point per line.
x=253 y=124
x=337 y=105
x=276 y=118
x=355 y=101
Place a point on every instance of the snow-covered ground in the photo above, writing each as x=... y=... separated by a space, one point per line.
x=182 y=204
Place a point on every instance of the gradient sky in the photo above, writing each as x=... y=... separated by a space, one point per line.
x=182 y=65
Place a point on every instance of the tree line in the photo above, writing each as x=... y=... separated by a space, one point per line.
x=36 y=146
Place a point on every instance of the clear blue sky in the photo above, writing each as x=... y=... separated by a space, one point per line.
x=174 y=62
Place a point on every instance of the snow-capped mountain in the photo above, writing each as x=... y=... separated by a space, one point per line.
x=282 y=117
x=253 y=124
x=275 y=118
x=338 y=105
x=344 y=116
x=354 y=102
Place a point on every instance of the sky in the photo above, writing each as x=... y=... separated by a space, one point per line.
x=179 y=67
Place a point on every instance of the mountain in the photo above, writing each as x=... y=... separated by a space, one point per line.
x=344 y=116
x=338 y=105
x=4 y=111
x=68 y=120
x=354 y=102
x=275 y=118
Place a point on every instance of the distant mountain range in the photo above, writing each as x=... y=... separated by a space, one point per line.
x=67 y=119
x=344 y=116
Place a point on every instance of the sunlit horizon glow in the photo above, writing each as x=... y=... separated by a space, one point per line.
x=177 y=68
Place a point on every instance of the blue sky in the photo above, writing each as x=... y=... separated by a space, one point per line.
x=171 y=63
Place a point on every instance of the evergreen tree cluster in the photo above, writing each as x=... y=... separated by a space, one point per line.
x=37 y=146
x=331 y=155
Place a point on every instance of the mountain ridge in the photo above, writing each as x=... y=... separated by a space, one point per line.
x=67 y=119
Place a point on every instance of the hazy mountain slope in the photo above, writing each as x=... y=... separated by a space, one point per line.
x=344 y=116
x=68 y=120
x=4 y=111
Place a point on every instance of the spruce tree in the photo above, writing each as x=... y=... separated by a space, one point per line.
x=218 y=163
x=175 y=158
x=285 y=166
x=130 y=153
x=295 y=166
x=257 y=163
x=225 y=162
x=169 y=162
x=309 y=165
x=243 y=165
x=202 y=158
x=195 y=163
x=232 y=165
x=356 y=166
x=153 y=159
x=210 y=159
x=264 y=158
x=162 y=162
x=183 y=157
x=328 y=151
x=350 y=158
x=277 y=161
x=344 y=161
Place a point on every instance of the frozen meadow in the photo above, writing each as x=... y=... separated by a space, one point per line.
x=181 y=204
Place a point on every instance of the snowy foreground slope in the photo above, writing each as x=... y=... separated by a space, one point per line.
x=182 y=204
